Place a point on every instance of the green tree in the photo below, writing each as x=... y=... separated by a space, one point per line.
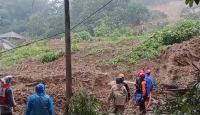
x=37 y=25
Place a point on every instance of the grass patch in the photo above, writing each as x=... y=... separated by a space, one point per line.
x=14 y=57
x=38 y=50
x=97 y=52
x=112 y=61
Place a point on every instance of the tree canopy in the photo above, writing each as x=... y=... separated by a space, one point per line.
x=46 y=17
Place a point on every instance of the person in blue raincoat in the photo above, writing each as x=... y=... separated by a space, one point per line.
x=149 y=80
x=150 y=84
x=40 y=103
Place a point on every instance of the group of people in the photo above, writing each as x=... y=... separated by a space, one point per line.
x=41 y=104
x=38 y=104
x=120 y=92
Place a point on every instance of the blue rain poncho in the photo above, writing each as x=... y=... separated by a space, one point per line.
x=40 y=103
x=150 y=83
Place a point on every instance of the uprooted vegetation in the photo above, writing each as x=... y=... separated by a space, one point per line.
x=187 y=103
x=148 y=47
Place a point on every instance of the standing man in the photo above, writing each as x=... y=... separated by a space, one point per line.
x=150 y=80
x=7 y=101
x=118 y=94
x=40 y=103
x=126 y=85
x=150 y=85
x=141 y=93
x=137 y=81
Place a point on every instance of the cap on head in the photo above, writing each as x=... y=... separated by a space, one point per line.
x=148 y=71
x=142 y=74
x=121 y=75
x=119 y=80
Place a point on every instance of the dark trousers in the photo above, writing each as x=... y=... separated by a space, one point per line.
x=142 y=105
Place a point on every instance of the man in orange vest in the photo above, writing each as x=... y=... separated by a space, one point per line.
x=141 y=93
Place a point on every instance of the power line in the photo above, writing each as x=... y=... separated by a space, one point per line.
x=60 y=32
x=92 y=14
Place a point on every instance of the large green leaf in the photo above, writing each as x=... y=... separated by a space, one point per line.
x=191 y=3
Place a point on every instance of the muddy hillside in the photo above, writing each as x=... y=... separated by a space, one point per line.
x=176 y=61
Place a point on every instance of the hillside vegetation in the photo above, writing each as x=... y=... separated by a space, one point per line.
x=121 y=38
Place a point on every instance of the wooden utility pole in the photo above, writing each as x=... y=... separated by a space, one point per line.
x=68 y=54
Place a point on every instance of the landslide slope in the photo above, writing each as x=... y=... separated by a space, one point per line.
x=175 y=61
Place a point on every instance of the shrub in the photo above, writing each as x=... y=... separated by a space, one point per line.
x=48 y=57
x=182 y=31
x=101 y=29
x=122 y=34
x=187 y=104
x=51 y=56
x=82 y=103
x=80 y=37
x=74 y=48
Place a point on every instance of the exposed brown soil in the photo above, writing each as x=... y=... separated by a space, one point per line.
x=175 y=61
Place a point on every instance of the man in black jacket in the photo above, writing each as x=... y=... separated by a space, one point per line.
x=126 y=85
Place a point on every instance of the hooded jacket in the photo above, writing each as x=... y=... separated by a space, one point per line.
x=7 y=109
x=150 y=83
x=40 y=103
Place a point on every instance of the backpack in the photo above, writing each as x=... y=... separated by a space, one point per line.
x=119 y=96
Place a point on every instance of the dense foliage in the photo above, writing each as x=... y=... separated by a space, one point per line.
x=185 y=104
x=43 y=19
x=117 y=14
x=46 y=18
x=51 y=56
x=83 y=103
x=182 y=31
